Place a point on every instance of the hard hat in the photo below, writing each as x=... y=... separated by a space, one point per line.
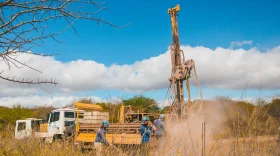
x=105 y=123
x=145 y=118
x=162 y=116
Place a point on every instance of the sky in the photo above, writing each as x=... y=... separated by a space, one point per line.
x=233 y=43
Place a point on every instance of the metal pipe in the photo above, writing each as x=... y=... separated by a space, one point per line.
x=204 y=140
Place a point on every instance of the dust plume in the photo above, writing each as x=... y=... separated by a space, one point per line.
x=185 y=137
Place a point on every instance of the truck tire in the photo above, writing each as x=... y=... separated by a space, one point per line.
x=57 y=137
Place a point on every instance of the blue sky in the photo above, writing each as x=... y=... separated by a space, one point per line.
x=203 y=23
x=209 y=24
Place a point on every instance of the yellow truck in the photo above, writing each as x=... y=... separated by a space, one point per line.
x=117 y=133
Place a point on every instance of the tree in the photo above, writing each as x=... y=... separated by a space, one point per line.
x=41 y=112
x=24 y=24
x=10 y=115
x=166 y=109
x=87 y=100
x=143 y=104
x=273 y=108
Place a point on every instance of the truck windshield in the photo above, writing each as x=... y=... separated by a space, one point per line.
x=54 y=116
x=21 y=126
x=35 y=124
x=69 y=114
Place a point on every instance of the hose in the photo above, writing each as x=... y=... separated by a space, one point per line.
x=200 y=90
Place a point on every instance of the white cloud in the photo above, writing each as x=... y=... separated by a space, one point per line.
x=32 y=101
x=218 y=68
x=240 y=43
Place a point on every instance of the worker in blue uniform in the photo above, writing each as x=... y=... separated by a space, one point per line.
x=101 y=138
x=160 y=126
x=145 y=130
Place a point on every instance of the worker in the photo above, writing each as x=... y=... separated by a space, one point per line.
x=101 y=137
x=145 y=130
x=153 y=127
x=160 y=126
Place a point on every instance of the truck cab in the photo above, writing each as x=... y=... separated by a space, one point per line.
x=58 y=120
x=60 y=123
x=25 y=128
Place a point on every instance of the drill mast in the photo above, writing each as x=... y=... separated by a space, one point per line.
x=181 y=69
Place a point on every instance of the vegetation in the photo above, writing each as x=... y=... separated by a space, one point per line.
x=8 y=116
x=247 y=129
x=142 y=104
x=273 y=108
x=266 y=112
x=138 y=103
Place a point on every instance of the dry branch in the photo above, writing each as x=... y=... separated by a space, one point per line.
x=25 y=24
x=23 y=81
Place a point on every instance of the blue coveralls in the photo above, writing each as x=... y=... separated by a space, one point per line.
x=160 y=127
x=100 y=137
x=145 y=133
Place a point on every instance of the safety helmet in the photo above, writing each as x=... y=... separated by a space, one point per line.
x=105 y=123
x=145 y=118
x=162 y=116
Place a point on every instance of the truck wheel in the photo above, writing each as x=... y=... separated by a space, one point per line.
x=56 y=138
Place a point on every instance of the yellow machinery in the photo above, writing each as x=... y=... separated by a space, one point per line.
x=128 y=116
x=117 y=133
x=84 y=106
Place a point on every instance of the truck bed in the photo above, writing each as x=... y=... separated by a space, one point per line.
x=127 y=133
x=43 y=127
x=41 y=134
x=129 y=128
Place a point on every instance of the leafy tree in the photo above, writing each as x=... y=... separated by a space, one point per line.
x=87 y=100
x=245 y=107
x=273 y=108
x=113 y=110
x=41 y=111
x=143 y=104
x=166 y=109
x=10 y=115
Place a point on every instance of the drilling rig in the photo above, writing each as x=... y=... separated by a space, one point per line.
x=182 y=70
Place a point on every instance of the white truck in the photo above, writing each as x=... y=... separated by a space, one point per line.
x=25 y=128
x=60 y=123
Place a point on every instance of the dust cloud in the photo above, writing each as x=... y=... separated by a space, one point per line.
x=185 y=137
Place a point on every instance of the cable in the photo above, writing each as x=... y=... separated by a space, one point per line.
x=166 y=93
x=201 y=97
x=152 y=88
